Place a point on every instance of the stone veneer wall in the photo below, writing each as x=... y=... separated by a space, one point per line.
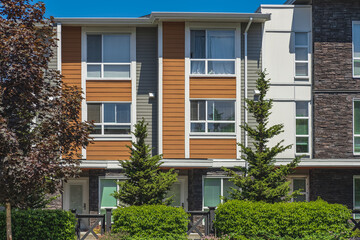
x=333 y=85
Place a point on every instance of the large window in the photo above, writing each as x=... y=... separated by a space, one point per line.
x=302 y=128
x=356 y=120
x=214 y=188
x=212 y=52
x=301 y=55
x=356 y=49
x=108 y=56
x=212 y=116
x=109 y=118
x=299 y=183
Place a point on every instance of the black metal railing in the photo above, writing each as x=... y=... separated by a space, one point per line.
x=202 y=222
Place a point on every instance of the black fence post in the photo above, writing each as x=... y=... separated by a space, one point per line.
x=211 y=219
x=77 y=226
x=108 y=219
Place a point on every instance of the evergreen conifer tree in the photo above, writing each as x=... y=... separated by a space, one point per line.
x=262 y=180
x=146 y=183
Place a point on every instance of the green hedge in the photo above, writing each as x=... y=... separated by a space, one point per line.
x=300 y=220
x=39 y=224
x=151 y=221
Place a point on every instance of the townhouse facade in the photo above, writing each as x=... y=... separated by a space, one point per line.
x=187 y=75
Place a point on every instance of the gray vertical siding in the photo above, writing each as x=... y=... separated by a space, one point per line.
x=53 y=61
x=254 y=65
x=147 y=81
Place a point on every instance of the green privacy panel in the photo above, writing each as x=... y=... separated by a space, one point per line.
x=175 y=191
x=357 y=144
x=357 y=192
x=357 y=117
x=107 y=187
x=227 y=187
x=302 y=127
x=212 y=192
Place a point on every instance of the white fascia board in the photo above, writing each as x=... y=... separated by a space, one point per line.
x=206 y=163
x=103 y=21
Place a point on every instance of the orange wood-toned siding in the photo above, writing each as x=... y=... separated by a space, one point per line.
x=71 y=55
x=213 y=148
x=108 y=150
x=108 y=90
x=212 y=87
x=174 y=90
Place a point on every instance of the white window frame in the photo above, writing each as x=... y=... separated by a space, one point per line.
x=118 y=178
x=353 y=123
x=353 y=55
x=130 y=63
x=309 y=130
x=102 y=135
x=206 y=59
x=306 y=193
x=222 y=177
x=302 y=61
x=212 y=121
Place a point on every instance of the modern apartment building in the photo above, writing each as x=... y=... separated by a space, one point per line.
x=188 y=74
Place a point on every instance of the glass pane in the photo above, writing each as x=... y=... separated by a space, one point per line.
x=96 y=130
x=123 y=113
x=115 y=129
x=357 y=144
x=302 y=145
x=94 y=71
x=220 y=44
x=109 y=112
x=301 y=69
x=76 y=198
x=197 y=127
x=302 y=109
x=302 y=127
x=356 y=40
x=301 y=39
x=94 y=112
x=212 y=192
x=221 y=127
x=107 y=187
x=221 y=110
x=197 y=44
x=300 y=198
x=357 y=67
x=117 y=71
x=197 y=110
x=357 y=117
x=227 y=185
x=301 y=54
x=299 y=184
x=117 y=48
x=197 y=67
x=175 y=191
x=357 y=192
x=94 y=48
x=221 y=67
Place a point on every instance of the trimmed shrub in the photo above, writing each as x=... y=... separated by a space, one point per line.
x=39 y=224
x=284 y=220
x=151 y=222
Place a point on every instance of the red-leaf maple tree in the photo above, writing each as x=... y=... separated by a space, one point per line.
x=40 y=128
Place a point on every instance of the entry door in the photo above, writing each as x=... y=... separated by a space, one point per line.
x=179 y=190
x=76 y=196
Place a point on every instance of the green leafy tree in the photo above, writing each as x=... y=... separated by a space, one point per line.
x=262 y=180
x=146 y=183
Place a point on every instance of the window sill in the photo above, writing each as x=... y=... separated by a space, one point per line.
x=108 y=79
x=212 y=75
x=213 y=135
x=111 y=137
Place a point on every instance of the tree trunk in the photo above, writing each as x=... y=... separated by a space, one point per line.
x=8 y=222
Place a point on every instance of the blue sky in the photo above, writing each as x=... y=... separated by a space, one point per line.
x=136 y=8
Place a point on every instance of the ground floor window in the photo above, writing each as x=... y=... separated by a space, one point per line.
x=356 y=192
x=300 y=183
x=213 y=189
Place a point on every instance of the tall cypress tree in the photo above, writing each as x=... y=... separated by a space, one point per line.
x=262 y=180
x=146 y=183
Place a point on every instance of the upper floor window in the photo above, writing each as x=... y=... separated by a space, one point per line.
x=212 y=52
x=302 y=128
x=108 y=56
x=212 y=116
x=356 y=116
x=301 y=55
x=356 y=49
x=110 y=118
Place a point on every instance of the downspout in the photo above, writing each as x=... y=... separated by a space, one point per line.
x=246 y=80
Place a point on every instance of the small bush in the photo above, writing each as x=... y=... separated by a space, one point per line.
x=151 y=222
x=300 y=220
x=39 y=224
